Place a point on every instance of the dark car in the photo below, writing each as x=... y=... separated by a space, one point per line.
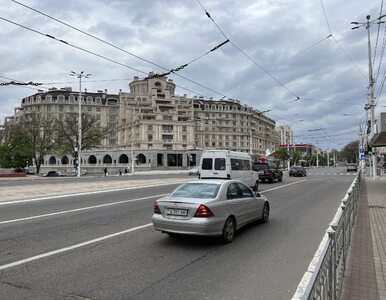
x=53 y=174
x=267 y=171
x=297 y=171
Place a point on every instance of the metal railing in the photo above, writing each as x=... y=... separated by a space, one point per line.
x=324 y=276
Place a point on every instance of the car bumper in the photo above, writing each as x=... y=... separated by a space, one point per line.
x=194 y=226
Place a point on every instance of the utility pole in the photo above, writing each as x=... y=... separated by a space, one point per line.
x=80 y=76
x=288 y=157
x=371 y=102
x=317 y=155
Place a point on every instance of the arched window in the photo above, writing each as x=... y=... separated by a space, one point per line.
x=123 y=159
x=141 y=159
x=64 y=160
x=52 y=160
x=89 y=100
x=48 y=98
x=72 y=98
x=61 y=99
x=92 y=160
x=107 y=159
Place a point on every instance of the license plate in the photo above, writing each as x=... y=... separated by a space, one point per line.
x=176 y=212
x=260 y=172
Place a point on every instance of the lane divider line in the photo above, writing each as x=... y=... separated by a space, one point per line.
x=282 y=186
x=85 y=193
x=78 y=209
x=66 y=249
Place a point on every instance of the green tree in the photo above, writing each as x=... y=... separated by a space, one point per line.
x=296 y=155
x=15 y=151
x=281 y=154
x=67 y=134
x=349 y=152
x=31 y=135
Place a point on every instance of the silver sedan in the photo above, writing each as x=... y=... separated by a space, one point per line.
x=209 y=208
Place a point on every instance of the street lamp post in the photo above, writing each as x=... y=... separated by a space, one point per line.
x=293 y=144
x=361 y=143
x=80 y=76
x=371 y=104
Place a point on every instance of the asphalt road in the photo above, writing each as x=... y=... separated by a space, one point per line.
x=102 y=246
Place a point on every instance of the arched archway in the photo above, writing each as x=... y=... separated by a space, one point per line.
x=107 y=159
x=141 y=159
x=52 y=160
x=92 y=160
x=123 y=159
x=64 y=160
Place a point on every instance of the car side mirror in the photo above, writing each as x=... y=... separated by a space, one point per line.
x=257 y=195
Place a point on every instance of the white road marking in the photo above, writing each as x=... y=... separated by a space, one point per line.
x=77 y=209
x=86 y=243
x=66 y=249
x=85 y=193
x=279 y=187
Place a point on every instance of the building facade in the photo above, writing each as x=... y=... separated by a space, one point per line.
x=286 y=134
x=304 y=149
x=154 y=127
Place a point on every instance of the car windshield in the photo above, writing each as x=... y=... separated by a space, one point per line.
x=257 y=167
x=296 y=168
x=196 y=190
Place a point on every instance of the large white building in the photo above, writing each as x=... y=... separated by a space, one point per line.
x=286 y=134
x=159 y=128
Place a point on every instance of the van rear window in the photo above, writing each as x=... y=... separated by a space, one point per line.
x=207 y=164
x=219 y=164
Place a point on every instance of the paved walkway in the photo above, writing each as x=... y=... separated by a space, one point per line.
x=365 y=275
x=39 y=188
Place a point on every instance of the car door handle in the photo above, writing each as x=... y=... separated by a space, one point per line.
x=233 y=203
x=247 y=201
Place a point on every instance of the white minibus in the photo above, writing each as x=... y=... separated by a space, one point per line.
x=225 y=164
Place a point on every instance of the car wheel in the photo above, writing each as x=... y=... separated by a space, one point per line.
x=265 y=215
x=272 y=179
x=281 y=178
x=256 y=186
x=229 y=230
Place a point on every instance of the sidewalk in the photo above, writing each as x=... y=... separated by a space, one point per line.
x=39 y=188
x=365 y=274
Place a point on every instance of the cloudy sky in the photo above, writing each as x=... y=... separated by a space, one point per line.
x=298 y=60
